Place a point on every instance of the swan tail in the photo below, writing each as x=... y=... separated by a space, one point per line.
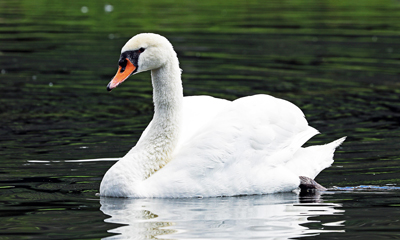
x=310 y=161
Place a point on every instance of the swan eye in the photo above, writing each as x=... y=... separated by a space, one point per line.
x=141 y=50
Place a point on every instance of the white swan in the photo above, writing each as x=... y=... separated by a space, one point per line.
x=202 y=146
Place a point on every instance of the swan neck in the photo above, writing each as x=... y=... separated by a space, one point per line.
x=167 y=87
x=156 y=147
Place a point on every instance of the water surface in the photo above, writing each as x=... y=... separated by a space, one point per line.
x=339 y=61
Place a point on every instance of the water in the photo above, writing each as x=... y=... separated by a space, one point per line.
x=339 y=61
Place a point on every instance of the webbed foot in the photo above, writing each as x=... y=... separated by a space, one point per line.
x=308 y=185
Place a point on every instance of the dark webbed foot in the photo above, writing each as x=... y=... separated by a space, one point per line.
x=308 y=185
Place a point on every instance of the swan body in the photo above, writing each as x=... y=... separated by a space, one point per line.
x=201 y=146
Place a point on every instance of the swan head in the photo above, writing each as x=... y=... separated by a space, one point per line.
x=143 y=52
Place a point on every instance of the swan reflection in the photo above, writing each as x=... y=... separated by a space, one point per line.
x=268 y=216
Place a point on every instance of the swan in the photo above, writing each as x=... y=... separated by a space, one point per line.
x=201 y=146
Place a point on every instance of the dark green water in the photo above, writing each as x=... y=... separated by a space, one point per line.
x=339 y=61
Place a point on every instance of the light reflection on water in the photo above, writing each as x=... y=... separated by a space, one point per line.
x=268 y=217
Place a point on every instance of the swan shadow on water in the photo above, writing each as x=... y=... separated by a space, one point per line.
x=283 y=215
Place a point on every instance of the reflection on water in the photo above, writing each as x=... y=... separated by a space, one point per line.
x=367 y=188
x=269 y=217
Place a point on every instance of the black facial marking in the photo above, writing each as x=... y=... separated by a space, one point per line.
x=133 y=56
x=122 y=63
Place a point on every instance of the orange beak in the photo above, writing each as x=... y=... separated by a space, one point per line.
x=121 y=75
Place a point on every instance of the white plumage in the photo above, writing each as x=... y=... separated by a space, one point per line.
x=202 y=146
